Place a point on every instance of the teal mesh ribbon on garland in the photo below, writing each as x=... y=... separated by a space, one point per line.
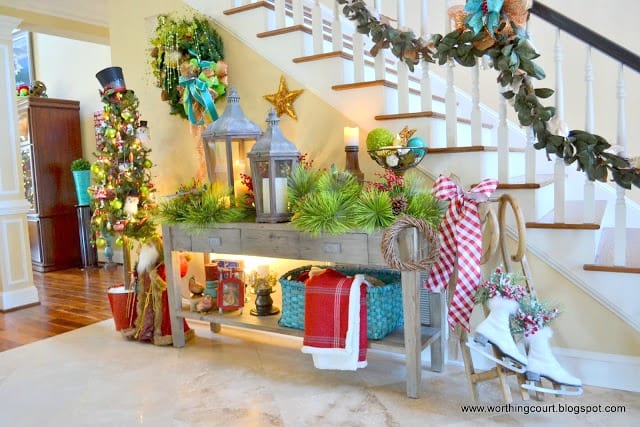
x=197 y=90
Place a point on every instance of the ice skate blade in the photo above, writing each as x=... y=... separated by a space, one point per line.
x=577 y=391
x=507 y=362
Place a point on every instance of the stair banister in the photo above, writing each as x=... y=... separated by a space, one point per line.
x=579 y=31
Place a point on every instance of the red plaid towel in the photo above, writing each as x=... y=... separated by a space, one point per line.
x=461 y=240
x=332 y=333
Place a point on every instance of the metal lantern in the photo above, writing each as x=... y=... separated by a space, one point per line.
x=272 y=159
x=227 y=136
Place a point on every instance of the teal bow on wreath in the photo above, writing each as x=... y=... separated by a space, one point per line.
x=196 y=89
x=483 y=12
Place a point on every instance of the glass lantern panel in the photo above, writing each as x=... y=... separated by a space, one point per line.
x=283 y=168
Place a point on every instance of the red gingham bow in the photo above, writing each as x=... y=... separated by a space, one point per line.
x=461 y=238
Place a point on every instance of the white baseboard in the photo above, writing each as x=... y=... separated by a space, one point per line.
x=614 y=371
x=18 y=298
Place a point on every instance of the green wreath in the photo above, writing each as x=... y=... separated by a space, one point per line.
x=186 y=61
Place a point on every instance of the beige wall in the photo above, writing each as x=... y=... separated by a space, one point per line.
x=68 y=68
x=318 y=130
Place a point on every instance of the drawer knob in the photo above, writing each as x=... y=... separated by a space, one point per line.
x=332 y=248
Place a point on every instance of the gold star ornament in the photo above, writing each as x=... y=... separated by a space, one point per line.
x=283 y=99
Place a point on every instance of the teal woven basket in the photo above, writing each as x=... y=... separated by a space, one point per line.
x=384 y=303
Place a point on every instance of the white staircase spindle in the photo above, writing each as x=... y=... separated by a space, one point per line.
x=298 y=12
x=336 y=28
x=620 y=232
x=450 y=103
x=426 y=95
x=530 y=157
x=451 y=108
x=279 y=12
x=476 y=116
x=559 y=191
x=380 y=58
x=589 y=208
x=503 y=140
x=358 y=57
x=316 y=28
x=402 y=68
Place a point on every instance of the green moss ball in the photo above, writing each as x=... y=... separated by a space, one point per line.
x=379 y=137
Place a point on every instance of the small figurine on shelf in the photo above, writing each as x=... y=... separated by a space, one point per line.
x=206 y=304
x=38 y=89
x=262 y=284
x=195 y=288
x=22 y=90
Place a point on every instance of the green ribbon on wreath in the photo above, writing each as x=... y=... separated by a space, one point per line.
x=197 y=90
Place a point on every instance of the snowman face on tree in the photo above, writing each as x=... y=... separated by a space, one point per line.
x=131 y=206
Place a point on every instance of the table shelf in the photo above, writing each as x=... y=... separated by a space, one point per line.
x=283 y=241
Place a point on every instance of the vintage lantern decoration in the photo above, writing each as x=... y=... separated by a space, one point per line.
x=229 y=138
x=272 y=159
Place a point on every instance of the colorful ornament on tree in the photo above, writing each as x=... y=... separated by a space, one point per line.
x=283 y=99
x=122 y=167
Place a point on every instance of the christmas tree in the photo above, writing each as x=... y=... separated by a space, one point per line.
x=122 y=196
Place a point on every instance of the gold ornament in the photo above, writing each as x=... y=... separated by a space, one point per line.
x=405 y=134
x=283 y=99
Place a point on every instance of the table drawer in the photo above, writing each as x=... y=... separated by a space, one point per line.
x=346 y=248
x=220 y=240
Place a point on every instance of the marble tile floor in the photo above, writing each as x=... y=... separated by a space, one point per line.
x=93 y=377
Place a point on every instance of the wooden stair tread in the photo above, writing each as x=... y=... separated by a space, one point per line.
x=285 y=30
x=249 y=6
x=519 y=182
x=321 y=56
x=604 y=258
x=573 y=217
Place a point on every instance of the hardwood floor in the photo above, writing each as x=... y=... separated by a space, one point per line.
x=69 y=299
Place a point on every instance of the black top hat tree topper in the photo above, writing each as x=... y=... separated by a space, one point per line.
x=112 y=79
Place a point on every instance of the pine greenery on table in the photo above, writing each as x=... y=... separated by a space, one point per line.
x=197 y=206
x=334 y=202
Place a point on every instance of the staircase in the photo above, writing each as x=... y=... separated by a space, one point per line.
x=584 y=231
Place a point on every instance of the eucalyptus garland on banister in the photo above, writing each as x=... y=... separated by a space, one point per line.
x=495 y=28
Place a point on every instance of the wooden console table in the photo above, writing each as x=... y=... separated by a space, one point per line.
x=283 y=241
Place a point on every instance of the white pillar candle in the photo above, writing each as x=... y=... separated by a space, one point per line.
x=263 y=270
x=351 y=136
x=280 y=194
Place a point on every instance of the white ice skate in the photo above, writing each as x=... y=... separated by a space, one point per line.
x=542 y=364
x=495 y=331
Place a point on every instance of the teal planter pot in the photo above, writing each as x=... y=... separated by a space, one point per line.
x=82 y=180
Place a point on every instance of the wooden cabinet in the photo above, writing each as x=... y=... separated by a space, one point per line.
x=49 y=132
x=283 y=241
